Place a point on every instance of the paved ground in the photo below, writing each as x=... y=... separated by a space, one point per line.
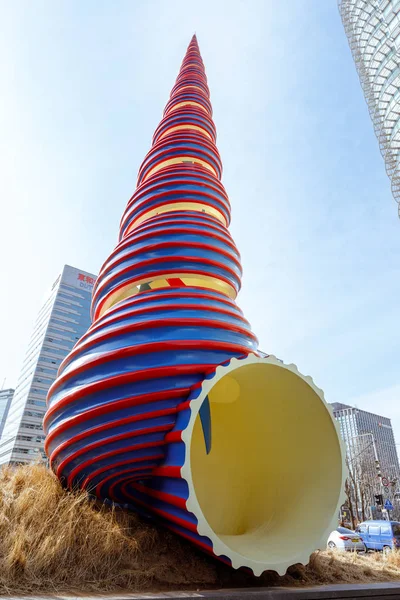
x=386 y=591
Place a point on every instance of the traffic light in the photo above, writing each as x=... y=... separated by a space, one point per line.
x=379 y=499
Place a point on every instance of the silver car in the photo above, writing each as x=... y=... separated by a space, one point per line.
x=345 y=539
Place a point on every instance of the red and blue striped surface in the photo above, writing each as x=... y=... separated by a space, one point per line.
x=164 y=317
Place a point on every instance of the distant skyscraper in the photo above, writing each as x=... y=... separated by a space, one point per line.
x=373 y=31
x=354 y=424
x=62 y=320
x=5 y=401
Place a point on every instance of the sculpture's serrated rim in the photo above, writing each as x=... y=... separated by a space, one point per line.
x=203 y=528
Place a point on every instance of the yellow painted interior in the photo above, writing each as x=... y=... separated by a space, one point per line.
x=187 y=103
x=179 y=159
x=178 y=206
x=188 y=126
x=270 y=484
x=188 y=279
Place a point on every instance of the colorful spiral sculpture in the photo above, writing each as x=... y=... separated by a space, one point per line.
x=165 y=406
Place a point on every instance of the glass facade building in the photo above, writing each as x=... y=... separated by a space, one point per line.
x=355 y=428
x=62 y=320
x=373 y=30
x=5 y=401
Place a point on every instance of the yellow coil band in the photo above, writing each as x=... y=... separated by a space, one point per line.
x=188 y=279
x=188 y=126
x=191 y=64
x=203 y=208
x=193 y=87
x=187 y=103
x=175 y=161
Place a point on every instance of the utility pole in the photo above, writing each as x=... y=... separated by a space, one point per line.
x=377 y=463
x=379 y=473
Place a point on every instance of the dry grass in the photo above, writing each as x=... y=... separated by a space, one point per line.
x=55 y=541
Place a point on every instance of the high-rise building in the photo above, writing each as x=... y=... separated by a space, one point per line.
x=361 y=431
x=373 y=31
x=5 y=401
x=62 y=320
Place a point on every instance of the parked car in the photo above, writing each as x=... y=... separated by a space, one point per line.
x=380 y=535
x=346 y=539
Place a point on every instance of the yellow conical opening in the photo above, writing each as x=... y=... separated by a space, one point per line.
x=270 y=485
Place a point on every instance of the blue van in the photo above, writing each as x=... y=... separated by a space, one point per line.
x=380 y=535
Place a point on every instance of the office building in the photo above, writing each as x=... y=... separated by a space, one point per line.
x=373 y=31
x=5 y=401
x=360 y=430
x=62 y=320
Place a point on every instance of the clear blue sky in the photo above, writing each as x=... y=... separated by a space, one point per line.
x=83 y=85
